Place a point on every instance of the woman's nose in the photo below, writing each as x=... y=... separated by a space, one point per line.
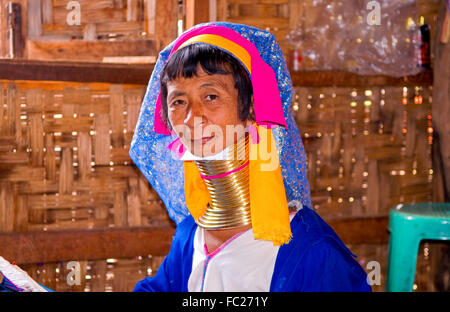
x=195 y=116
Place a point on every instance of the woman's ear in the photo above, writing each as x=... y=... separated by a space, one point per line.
x=251 y=112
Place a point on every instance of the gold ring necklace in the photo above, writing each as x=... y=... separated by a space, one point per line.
x=228 y=184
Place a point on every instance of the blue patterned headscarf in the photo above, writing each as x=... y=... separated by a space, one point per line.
x=166 y=174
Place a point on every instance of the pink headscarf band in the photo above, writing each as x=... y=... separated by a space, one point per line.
x=266 y=96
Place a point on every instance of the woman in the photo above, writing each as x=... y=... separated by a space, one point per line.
x=218 y=142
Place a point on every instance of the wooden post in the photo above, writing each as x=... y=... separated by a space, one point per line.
x=14 y=38
x=441 y=104
x=197 y=11
x=441 y=135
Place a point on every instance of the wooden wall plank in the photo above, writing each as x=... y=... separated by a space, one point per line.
x=132 y=10
x=47 y=11
x=3 y=32
x=34 y=100
x=66 y=171
x=13 y=39
x=134 y=203
x=87 y=50
x=165 y=22
x=197 y=11
x=6 y=207
x=9 y=127
x=120 y=209
x=102 y=139
x=150 y=17
x=84 y=144
x=21 y=214
x=90 y=32
x=116 y=115
x=34 y=18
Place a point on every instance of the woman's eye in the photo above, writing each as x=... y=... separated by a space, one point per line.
x=177 y=102
x=211 y=97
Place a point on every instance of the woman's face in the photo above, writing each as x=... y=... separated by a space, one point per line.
x=203 y=112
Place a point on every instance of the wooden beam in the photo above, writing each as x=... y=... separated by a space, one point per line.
x=441 y=105
x=140 y=74
x=54 y=246
x=346 y=79
x=76 y=72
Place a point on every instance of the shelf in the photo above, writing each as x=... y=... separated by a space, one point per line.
x=347 y=79
x=75 y=72
x=53 y=246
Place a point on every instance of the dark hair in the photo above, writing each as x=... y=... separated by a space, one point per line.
x=213 y=60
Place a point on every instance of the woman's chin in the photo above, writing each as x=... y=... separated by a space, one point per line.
x=205 y=149
x=205 y=152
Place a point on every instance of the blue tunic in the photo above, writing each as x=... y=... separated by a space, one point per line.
x=314 y=260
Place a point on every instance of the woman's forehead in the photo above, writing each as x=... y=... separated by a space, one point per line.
x=202 y=80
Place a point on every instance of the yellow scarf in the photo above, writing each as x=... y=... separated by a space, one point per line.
x=268 y=203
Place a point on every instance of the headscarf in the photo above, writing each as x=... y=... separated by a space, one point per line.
x=268 y=72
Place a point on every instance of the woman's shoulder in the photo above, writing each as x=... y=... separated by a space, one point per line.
x=317 y=258
x=185 y=231
x=309 y=229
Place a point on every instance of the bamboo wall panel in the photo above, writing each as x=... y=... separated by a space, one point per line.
x=368 y=149
x=108 y=275
x=64 y=160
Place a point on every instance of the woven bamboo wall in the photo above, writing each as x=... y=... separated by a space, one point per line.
x=108 y=275
x=65 y=160
x=64 y=157
x=368 y=149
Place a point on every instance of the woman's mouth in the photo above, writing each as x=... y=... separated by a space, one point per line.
x=202 y=140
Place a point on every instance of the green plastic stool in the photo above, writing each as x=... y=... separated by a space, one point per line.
x=408 y=225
